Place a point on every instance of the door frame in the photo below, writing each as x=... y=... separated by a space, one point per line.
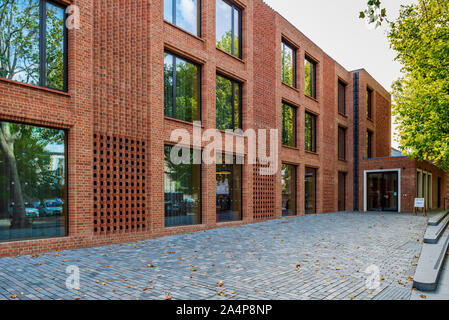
x=365 y=185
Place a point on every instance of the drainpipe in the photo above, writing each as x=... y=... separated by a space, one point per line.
x=356 y=140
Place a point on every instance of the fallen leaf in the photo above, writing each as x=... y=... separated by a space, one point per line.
x=149 y=266
x=423 y=296
x=168 y=298
x=220 y=283
x=14 y=296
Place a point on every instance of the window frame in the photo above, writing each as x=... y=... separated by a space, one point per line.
x=342 y=149
x=369 y=144
x=344 y=86
x=240 y=87
x=43 y=47
x=315 y=180
x=235 y=6
x=314 y=117
x=200 y=84
x=286 y=43
x=198 y=18
x=344 y=175
x=369 y=103
x=294 y=176
x=295 y=125
x=314 y=64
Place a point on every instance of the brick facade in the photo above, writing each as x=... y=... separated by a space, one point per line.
x=115 y=102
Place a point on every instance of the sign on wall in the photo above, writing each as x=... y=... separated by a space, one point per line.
x=419 y=202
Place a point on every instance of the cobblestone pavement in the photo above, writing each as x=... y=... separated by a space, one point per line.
x=312 y=257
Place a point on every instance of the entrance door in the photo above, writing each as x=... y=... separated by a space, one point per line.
x=382 y=190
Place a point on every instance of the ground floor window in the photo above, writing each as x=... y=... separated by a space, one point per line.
x=32 y=182
x=182 y=185
x=341 y=191
x=288 y=190
x=310 y=191
x=229 y=191
x=383 y=191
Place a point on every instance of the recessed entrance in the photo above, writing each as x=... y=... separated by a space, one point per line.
x=382 y=191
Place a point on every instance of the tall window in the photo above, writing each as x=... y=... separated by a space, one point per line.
x=229 y=27
x=341 y=98
x=33 y=187
x=310 y=77
x=342 y=191
x=310 y=190
x=341 y=143
x=228 y=104
x=369 y=144
x=182 y=185
x=229 y=190
x=33 y=46
x=288 y=190
x=288 y=64
x=181 y=89
x=310 y=132
x=185 y=14
x=369 y=103
x=288 y=125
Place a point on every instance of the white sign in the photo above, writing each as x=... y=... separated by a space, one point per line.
x=419 y=202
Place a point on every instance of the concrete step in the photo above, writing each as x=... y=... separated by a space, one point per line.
x=430 y=264
x=434 y=233
x=436 y=219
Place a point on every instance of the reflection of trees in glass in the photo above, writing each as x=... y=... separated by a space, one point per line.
x=288 y=125
x=19 y=43
x=227 y=104
x=309 y=81
x=228 y=18
x=309 y=136
x=287 y=65
x=185 y=106
x=182 y=175
x=26 y=172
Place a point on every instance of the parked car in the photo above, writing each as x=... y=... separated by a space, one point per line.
x=51 y=208
x=31 y=211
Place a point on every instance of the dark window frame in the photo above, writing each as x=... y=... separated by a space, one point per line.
x=200 y=85
x=344 y=175
x=369 y=103
x=286 y=43
x=240 y=11
x=369 y=144
x=314 y=64
x=342 y=149
x=294 y=169
x=315 y=171
x=240 y=87
x=43 y=46
x=295 y=125
x=344 y=86
x=198 y=18
x=314 y=118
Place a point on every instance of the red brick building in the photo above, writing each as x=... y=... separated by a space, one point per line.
x=103 y=99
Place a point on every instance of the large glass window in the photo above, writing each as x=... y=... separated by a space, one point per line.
x=310 y=132
x=33 y=189
x=228 y=27
x=228 y=104
x=288 y=64
x=182 y=185
x=310 y=77
x=341 y=143
x=184 y=13
x=369 y=103
x=288 y=190
x=310 y=190
x=341 y=98
x=25 y=25
x=288 y=125
x=342 y=191
x=181 y=89
x=229 y=191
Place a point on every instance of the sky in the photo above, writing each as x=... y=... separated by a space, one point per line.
x=334 y=26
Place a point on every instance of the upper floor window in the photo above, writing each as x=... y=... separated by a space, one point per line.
x=369 y=144
x=369 y=103
x=341 y=97
x=229 y=27
x=228 y=104
x=185 y=14
x=181 y=89
x=341 y=143
x=310 y=77
x=310 y=132
x=288 y=125
x=33 y=43
x=288 y=64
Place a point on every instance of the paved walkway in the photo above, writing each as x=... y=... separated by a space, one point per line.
x=313 y=257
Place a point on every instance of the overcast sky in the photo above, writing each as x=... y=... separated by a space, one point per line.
x=335 y=27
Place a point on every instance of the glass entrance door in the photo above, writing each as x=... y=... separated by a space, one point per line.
x=382 y=191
